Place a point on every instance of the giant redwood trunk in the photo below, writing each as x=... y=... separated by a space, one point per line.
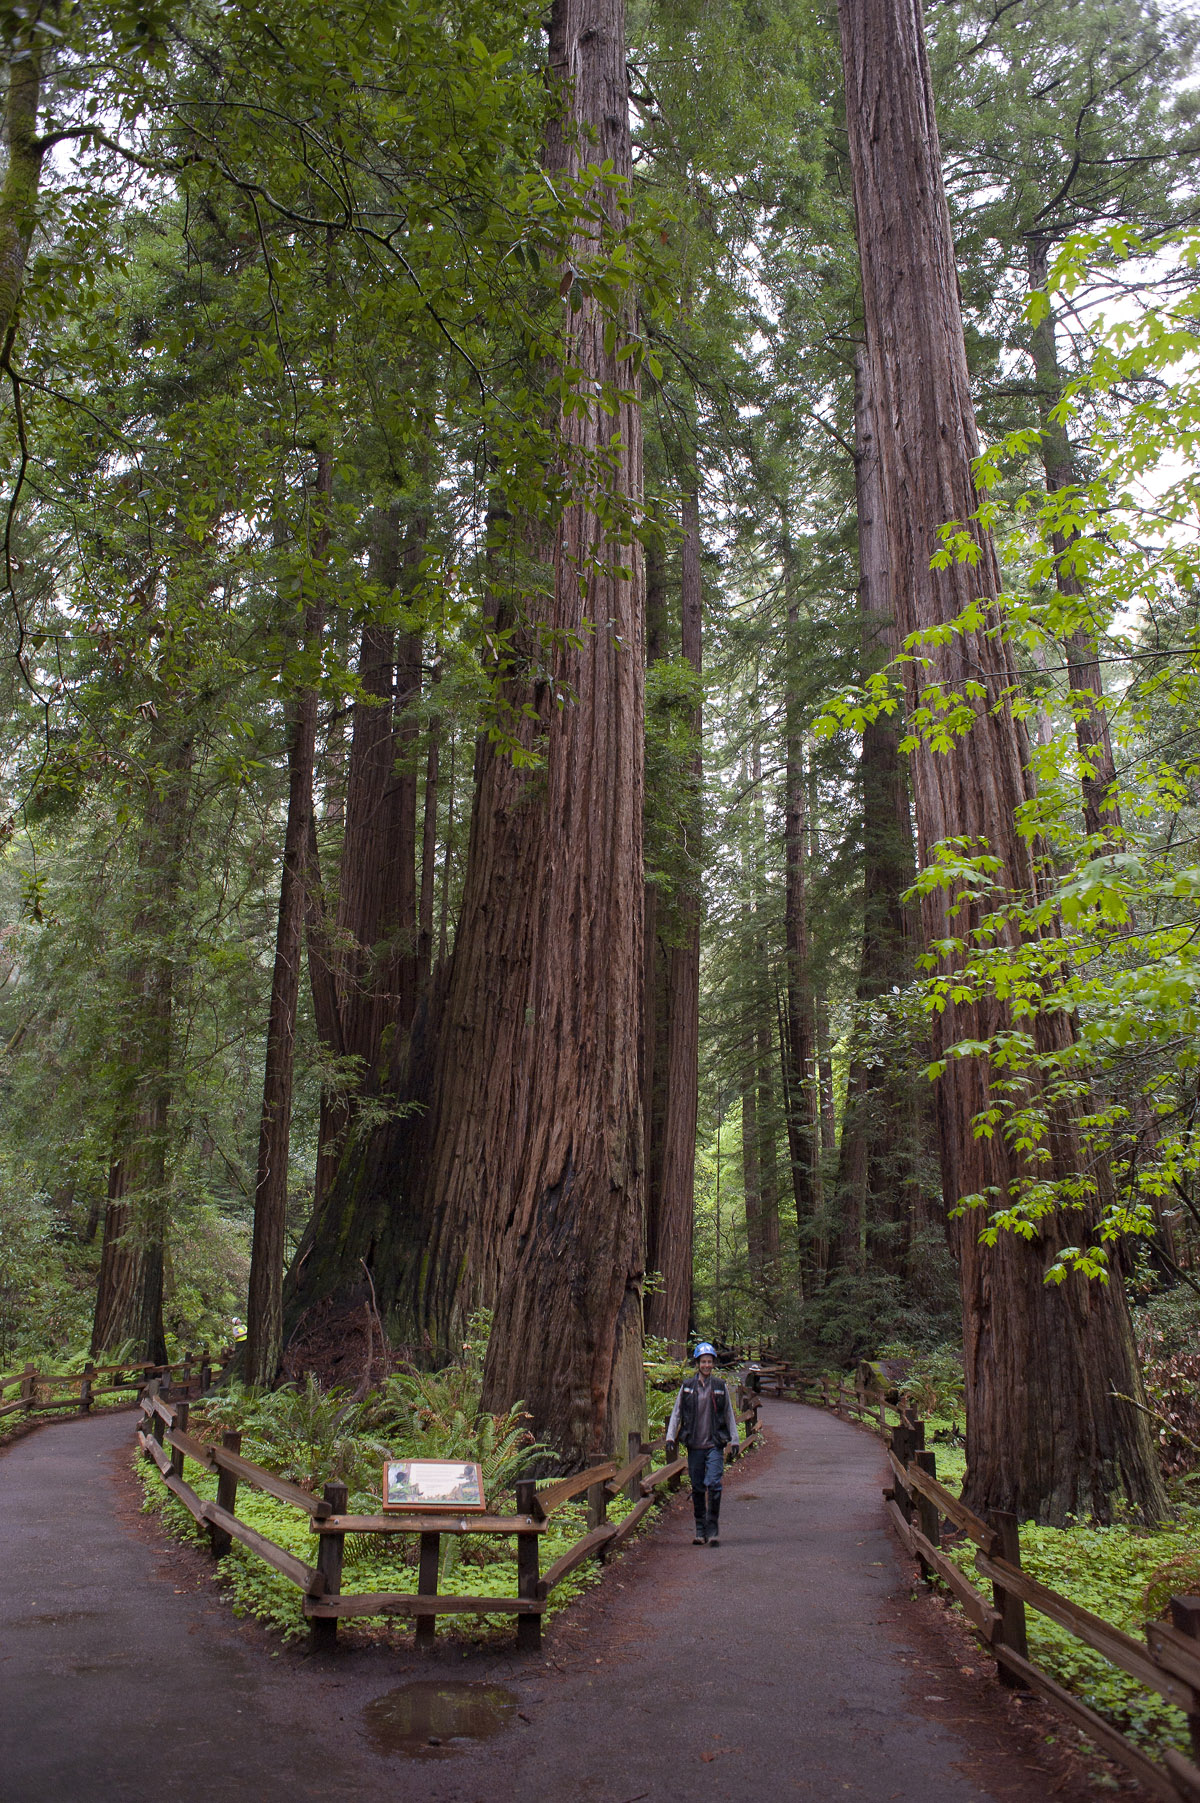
x=365 y=1007
x=129 y=1291
x=1045 y=1367
x=519 y=1182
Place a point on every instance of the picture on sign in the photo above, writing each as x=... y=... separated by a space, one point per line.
x=423 y=1484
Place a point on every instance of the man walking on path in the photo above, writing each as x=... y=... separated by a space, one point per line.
x=704 y=1419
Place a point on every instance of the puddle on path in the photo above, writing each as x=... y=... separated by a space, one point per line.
x=429 y=1719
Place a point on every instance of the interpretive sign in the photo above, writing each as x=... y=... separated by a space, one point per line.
x=420 y=1485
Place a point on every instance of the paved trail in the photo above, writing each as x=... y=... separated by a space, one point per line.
x=785 y=1664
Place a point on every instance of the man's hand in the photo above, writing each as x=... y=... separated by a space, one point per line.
x=672 y=1451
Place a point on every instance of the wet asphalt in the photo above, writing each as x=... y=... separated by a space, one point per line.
x=787 y=1663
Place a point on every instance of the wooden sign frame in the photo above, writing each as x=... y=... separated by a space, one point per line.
x=459 y=1474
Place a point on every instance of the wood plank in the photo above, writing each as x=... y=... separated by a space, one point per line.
x=553 y=1496
x=190 y=1447
x=428 y=1524
x=652 y=1480
x=300 y=1574
x=625 y=1528
x=165 y=1410
x=185 y=1493
x=1094 y=1726
x=634 y=1468
x=389 y=1602
x=149 y=1444
x=10 y=1408
x=1118 y=1648
x=898 y=1522
x=1175 y=1652
x=1184 y=1775
x=586 y=1548
x=975 y=1605
x=948 y=1505
x=222 y=1459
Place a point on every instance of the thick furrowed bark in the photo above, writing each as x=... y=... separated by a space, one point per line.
x=520 y=1185
x=1045 y=1433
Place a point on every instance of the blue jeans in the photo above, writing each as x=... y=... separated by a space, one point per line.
x=706 y=1468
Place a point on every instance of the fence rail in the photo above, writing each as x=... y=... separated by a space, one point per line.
x=36 y=1387
x=918 y=1505
x=164 y=1439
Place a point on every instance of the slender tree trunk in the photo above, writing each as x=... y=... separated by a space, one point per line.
x=669 y=1310
x=1046 y=1435
x=264 y=1308
x=768 y=1163
x=750 y=1169
x=428 y=847
x=656 y=1001
x=881 y=1131
x=1098 y=772
x=800 y=1048
x=129 y=1293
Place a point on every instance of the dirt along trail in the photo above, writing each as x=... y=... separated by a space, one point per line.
x=787 y=1663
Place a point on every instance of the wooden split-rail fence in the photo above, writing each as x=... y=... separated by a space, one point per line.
x=927 y=1516
x=164 y=1438
x=38 y=1391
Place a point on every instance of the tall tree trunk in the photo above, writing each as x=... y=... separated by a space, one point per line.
x=751 y=1192
x=668 y=1311
x=1046 y=1434
x=264 y=1307
x=1098 y=772
x=428 y=846
x=656 y=1001
x=768 y=1163
x=129 y=1293
x=26 y=42
x=800 y=1040
x=519 y=1183
x=876 y=1179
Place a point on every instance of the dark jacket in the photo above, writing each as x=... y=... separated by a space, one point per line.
x=683 y=1415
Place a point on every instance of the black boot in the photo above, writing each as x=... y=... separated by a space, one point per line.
x=701 y=1535
x=714 y=1518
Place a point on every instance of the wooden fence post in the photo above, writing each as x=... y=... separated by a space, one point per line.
x=227 y=1487
x=1185 y=1615
x=633 y=1487
x=185 y=1376
x=157 y=1424
x=181 y=1420
x=927 y=1515
x=597 y=1499
x=205 y=1371
x=28 y=1386
x=85 y=1387
x=329 y=1564
x=907 y=1440
x=427 y=1582
x=529 y=1627
x=1010 y=1631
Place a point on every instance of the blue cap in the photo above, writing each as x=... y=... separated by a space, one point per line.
x=704 y=1347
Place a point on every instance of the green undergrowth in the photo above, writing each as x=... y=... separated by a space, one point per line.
x=1123 y=1573
x=311 y=1436
x=472 y=1565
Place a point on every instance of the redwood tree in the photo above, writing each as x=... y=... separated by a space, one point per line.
x=517 y=1182
x=1046 y=1369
